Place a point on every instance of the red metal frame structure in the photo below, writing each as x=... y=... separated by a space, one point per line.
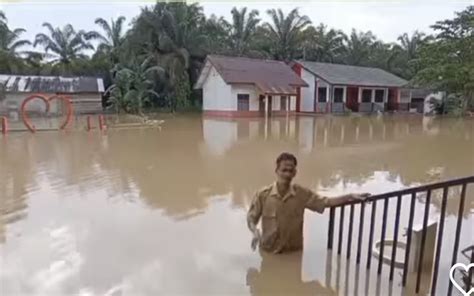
x=47 y=101
x=409 y=193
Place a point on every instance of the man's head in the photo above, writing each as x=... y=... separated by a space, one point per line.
x=286 y=167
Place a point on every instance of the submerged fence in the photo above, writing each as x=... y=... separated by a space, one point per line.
x=405 y=194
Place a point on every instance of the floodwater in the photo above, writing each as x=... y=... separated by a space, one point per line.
x=148 y=211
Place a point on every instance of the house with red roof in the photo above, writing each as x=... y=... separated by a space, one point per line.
x=240 y=86
x=336 y=88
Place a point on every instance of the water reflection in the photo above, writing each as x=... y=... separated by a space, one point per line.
x=281 y=275
x=140 y=211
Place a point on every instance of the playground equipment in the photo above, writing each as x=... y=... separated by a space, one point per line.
x=47 y=102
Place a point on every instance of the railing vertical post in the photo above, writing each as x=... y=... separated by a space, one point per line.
x=349 y=234
x=423 y=239
x=439 y=241
x=458 y=233
x=332 y=211
x=395 y=236
x=371 y=232
x=382 y=234
x=409 y=232
x=361 y=229
x=341 y=230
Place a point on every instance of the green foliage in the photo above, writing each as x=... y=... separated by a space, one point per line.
x=133 y=86
x=173 y=38
x=447 y=61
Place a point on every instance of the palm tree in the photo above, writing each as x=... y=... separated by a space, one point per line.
x=3 y=21
x=10 y=42
x=242 y=30
x=323 y=45
x=411 y=45
x=358 y=47
x=216 y=31
x=406 y=53
x=112 y=40
x=285 y=32
x=173 y=36
x=63 y=46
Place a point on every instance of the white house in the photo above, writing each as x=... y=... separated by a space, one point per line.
x=338 y=88
x=85 y=93
x=237 y=86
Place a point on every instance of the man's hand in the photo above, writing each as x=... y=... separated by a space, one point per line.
x=255 y=239
x=359 y=196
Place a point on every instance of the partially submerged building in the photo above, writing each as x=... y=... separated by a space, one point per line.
x=339 y=88
x=85 y=93
x=238 y=86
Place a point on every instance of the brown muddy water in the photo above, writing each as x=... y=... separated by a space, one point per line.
x=162 y=211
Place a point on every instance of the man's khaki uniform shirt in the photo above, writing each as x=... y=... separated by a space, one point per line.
x=282 y=216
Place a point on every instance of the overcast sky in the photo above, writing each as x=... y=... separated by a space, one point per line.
x=387 y=19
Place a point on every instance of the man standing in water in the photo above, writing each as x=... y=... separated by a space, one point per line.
x=281 y=207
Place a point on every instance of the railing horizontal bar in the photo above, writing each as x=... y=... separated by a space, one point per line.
x=406 y=191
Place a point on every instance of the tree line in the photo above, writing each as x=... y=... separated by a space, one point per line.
x=156 y=62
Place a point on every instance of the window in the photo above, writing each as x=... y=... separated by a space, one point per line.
x=284 y=103
x=322 y=95
x=242 y=102
x=379 y=95
x=338 y=95
x=366 y=96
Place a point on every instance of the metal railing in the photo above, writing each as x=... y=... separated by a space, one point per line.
x=399 y=195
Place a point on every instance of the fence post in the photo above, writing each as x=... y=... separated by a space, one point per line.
x=102 y=124
x=4 y=125
x=89 y=123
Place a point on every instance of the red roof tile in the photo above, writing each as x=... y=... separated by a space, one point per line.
x=271 y=77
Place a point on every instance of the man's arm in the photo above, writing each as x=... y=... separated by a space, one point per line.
x=342 y=199
x=253 y=216
x=318 y=203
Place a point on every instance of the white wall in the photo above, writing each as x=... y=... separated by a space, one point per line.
x=245 y=89
x=307 y=93
x=276 y=103
x=292 y=103
x=216 y=94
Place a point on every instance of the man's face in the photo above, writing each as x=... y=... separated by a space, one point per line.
x=286 y=171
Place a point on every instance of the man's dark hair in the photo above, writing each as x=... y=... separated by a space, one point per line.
x=286 y=156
